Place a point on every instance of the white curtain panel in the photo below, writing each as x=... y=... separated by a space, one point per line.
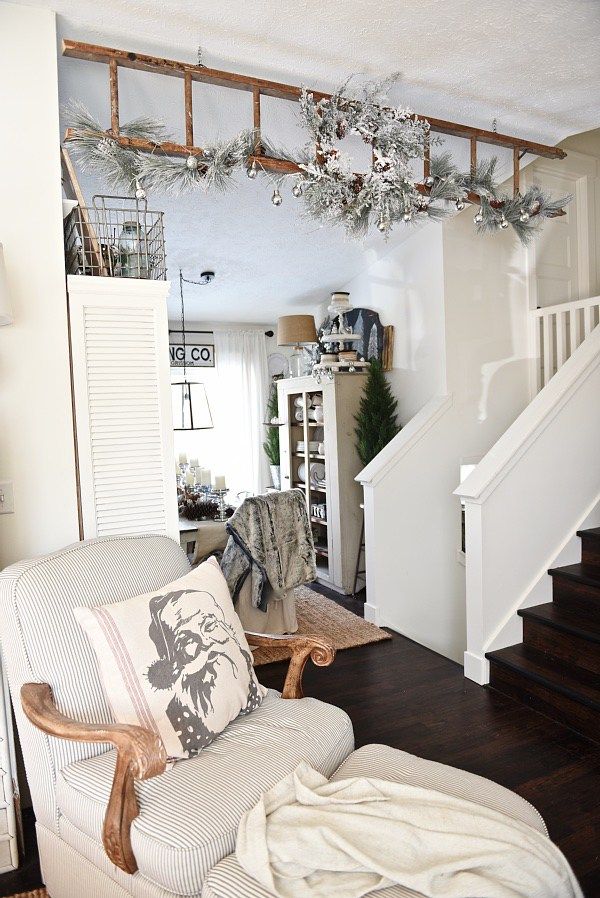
x=241 y=367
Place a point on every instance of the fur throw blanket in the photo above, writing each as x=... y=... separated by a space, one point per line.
x=270 y=540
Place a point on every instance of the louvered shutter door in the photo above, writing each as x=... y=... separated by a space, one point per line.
x=120 y=350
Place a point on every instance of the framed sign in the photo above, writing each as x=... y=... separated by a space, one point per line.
x=197 y=355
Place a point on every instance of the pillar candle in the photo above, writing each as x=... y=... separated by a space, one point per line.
x=183 y=458
x=194 y=463
x=189 y=478
x=220 y=482
x=205 y=477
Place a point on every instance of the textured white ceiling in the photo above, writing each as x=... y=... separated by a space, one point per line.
x=534 y=66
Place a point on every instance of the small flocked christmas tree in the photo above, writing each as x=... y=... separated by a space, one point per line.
x=376 y=419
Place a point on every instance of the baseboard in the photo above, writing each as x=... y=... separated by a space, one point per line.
x=477 y=668
x=372 y=614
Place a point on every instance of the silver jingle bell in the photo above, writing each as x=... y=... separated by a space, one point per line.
x=429 y=181
x=478 y=218
x=140 y=193
x=503 y=223
x=460 y=205
x=276 y=199
x=382 y=225
x=297 y=190
x=524 y=216
x=192 y=163
x=252 y=171
x=407 y=216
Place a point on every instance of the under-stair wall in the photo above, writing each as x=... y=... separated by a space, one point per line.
x=525 y=502
x=415 y=567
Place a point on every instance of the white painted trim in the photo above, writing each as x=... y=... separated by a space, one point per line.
x=477 y=668
x=524 y=432
x=405 y=441
x=371 y=613
x=98 y=286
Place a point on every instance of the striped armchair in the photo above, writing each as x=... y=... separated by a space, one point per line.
x=180 y=822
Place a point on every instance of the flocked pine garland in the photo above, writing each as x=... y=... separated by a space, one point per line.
x=332 y=192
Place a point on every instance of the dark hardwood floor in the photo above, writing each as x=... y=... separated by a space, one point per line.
x=399 y=693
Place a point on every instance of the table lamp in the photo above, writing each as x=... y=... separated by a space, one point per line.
x=296 y=331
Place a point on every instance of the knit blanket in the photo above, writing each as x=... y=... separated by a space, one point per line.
x=270 y=540
x=311 y=838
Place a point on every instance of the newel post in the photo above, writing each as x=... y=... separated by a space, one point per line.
x=477 y=667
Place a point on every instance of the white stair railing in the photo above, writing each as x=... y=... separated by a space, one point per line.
x=558 y=331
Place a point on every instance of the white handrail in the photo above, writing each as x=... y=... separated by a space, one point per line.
x=566 y=306
x=502 y=457
x=404 y=441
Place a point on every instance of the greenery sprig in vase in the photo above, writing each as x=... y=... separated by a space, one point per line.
x=271 y=444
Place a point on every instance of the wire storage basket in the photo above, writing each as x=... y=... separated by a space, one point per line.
x=115 y=237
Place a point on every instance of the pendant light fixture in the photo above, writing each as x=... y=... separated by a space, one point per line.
x=191 y=410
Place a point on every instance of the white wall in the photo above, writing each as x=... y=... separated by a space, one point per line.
x=405 y=286
x=487 y=338
x=474 y=298
x=36 y=433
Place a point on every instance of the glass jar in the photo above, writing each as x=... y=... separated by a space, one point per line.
x=133 y=251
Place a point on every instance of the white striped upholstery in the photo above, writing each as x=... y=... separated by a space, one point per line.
x=41 y=641
x=228 y=880
x=189 y=816
x=76 y=859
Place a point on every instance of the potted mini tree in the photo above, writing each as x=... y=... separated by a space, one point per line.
x=376 y=422
x=271 y=444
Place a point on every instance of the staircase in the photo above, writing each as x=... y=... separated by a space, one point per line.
x=556 y=669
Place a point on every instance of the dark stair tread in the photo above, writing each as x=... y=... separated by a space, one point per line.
x=564 y=619
x=578 y=572
x=593 y=532
x=578 y=685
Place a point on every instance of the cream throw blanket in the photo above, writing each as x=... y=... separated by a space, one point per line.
x=311 y=838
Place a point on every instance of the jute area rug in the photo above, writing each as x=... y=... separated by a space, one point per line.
x=37 y=893
x=319 y=616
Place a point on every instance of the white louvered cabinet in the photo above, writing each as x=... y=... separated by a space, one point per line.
x=9 y=804
x=122 y=396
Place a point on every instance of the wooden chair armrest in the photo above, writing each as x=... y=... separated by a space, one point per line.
x=140 y=755
x=303 y=647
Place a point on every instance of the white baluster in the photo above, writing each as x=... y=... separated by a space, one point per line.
x=588 y=320
x=539 y=367
x=547 y=371
x=561 y=340
x=574 y=330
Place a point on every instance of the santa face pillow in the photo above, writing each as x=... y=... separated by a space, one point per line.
x=175 y=661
